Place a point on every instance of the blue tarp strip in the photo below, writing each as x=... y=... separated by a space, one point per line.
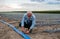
x=25 y=36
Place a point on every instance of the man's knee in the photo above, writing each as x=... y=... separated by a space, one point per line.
x=20 y=24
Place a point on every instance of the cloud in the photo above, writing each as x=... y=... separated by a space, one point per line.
x=26 y=5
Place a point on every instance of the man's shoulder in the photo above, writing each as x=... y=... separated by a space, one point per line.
x=25 y=14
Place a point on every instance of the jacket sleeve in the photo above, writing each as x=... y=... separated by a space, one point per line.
x=22 y=22
x=33 y=22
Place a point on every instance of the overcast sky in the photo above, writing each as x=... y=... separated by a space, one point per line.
x=27 y=5
x=14 y=2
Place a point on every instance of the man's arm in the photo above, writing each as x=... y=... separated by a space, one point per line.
x=22 y=23
x=33 y=23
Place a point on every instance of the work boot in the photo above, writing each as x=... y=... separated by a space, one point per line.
x=30 y=31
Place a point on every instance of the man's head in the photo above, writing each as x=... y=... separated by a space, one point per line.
x=29 y=14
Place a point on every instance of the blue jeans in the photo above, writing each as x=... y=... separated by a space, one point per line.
x=27 y=25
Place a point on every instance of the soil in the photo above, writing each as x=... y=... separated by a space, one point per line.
x=37 y=33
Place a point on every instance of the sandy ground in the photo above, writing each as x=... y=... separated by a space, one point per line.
x=8 y=33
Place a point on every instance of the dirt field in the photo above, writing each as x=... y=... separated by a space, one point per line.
x=8 y=33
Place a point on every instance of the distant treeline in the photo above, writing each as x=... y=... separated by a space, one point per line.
x=50 y=12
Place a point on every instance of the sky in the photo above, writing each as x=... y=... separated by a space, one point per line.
x=33 y=5
x=13 y=3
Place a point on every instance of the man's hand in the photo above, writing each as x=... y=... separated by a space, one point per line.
x=27 y=31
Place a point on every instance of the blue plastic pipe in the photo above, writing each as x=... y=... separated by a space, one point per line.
x=25 y=36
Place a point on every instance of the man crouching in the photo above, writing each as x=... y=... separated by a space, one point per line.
x=28 y=21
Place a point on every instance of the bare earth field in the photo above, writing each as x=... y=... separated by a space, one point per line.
x=8 y=33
